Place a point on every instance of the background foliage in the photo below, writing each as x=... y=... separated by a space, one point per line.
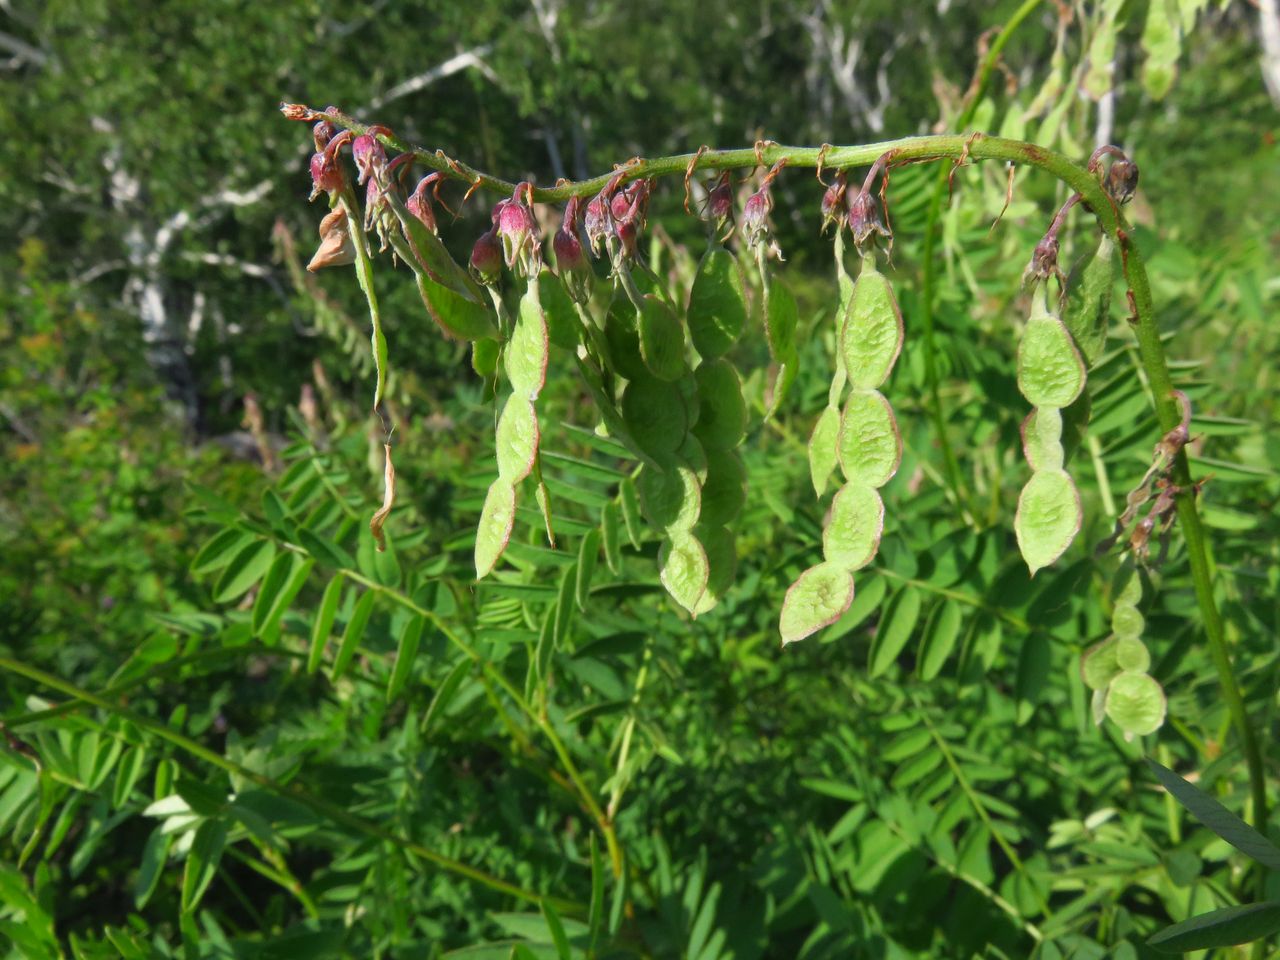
x=293 y=730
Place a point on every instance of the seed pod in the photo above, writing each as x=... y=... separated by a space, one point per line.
x=497 y=518
x=528 y=350
x=661 y=339
x=781 y=316
x=1050 y=369
x=724 y=492
x=869 y=445
x=684 y=570
x=823 y=444
x=670 y=499
x=852 y=533
x=717 y=311
x=721 y=549
x=656 y=416
x=817 y=599
x=722 y=412
x=1048 y=517
x=871 y=329
x=517 y=438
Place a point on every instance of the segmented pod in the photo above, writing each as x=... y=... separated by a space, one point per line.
x=864 y=439
x=1051 y=375
x=1116 y=669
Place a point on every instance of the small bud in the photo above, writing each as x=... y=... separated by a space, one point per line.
x=369 y=156
x=833 y=204
x=755 y=216
x=865 y=220
x=1122 y=180
x=629 y=215
x=519 y=231
x=569 y=259
x=720 y=203
x=336 y=248
x=323 y=132
x=419 y=202
x=1044 y=261
x=619 y=205
x=486 y=257
x=598 y=221
x=326 y=175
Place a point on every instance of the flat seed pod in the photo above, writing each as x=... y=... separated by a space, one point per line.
x=497 y=517
x=722 y=413
x=1048 y=518
x=1132 y=655
x=1042 y=438
x=1098 y=666
x=684 y=570
x=717 y=304
x=528 y=350
x=852 y=534
x=1135 y=702
x=484 y=357
x=661 y=339
x=822 y=448
x=871 y=331
x=655 y=415
x=1088 y=308
x=457 y=316
x=781 y=316
x=724 y=492
x=1126 y=588
x=517 y=438
x=1050 y=369
x=817 y=599
x=869 y=445
x=623 y=340
x=721 y=547
x=1126 y=621
x=693 y=455
x=563 y=326
x=669 y=499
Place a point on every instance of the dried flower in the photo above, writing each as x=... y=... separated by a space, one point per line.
x=337 y=248
x=865 y=220
x=834 y=204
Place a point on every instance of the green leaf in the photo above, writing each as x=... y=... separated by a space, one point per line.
x=871 y=331
x=325 y=550
x=556 y=928
x=895 y=629
x=353 y=634
x=406 y=653
x=722 y=412
x=445 y=693
x=852 y=534
x=202 y=862
x=1218 y=818
x=822 y=448
x=155 y=852
x=456 y=316
x=630 y=502
x=219 y=551
x=430 y=253
x=1050 y=369
x=817 y=599
x=939 y=639
x=497 y=518
x=1220 y=928
x=245 y=569
x=565 y=607
x=717 y=304
x=869 y=445
x=661 y=339
x=284 y=580
x=611 y=535
x=1048 y=518
x=588 y=555
x=323 y=624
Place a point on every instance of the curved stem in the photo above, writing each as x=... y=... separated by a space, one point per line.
x=976 y=146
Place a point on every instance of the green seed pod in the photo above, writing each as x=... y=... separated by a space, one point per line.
x=871 y=331
x=655 y=415
x=517 y=439
x=1050 y=369
x=661 y=339
x=1132 y=655
x=781 y=315
x=1042 y=438
x=670 y=500
x=869 y=445
x=684 y=570
x=720 y=545
x=854 y=525
x=1087 y=312
x=1098 y=664
x=724 y=492
x=564 y=329
x=1126 y=621
x=817 y=599
x=620 y=326
x=497 y=518
x=717 y=304
x=722 y=412
x=1048 y=518
x=823 y=445
x=528 y=350
x=1136 y=703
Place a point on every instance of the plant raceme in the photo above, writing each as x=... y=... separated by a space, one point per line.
x=666 y=388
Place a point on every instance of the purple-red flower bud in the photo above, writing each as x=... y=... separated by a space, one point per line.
x=419 y=202
x=1122 y=180
x=326 y=175
x=570 y=261
x=486 y=257
x=369 y=156
x=518 y=229
x=323 y=132
x=598 y=221
x=755 y=216
x=720 y=202
x=865 y=219
x=833 y=203
x=1044 y=261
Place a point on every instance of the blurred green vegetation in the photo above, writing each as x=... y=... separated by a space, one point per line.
x=959 y=802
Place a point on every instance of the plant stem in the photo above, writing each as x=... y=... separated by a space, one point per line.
x=976 y=146
x=323 y=807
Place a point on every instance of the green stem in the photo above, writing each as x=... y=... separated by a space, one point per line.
x=974 y=147
x=323 y=807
